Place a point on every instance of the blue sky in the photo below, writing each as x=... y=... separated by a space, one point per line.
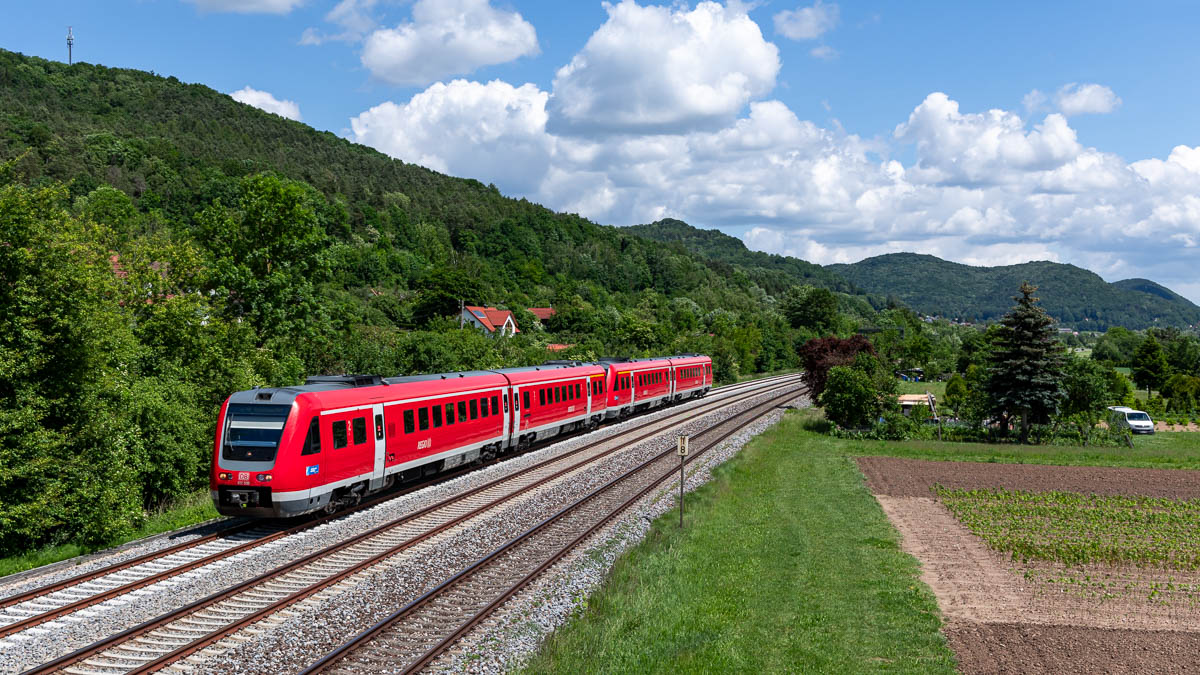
x=983 y=133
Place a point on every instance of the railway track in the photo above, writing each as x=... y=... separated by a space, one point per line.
x=415 y=635
x=180 y=633
x=31 y=608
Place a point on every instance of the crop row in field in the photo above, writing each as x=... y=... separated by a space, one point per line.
x=1076 y=529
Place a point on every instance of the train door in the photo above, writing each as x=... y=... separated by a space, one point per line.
x=505 y=426
x=380 y=447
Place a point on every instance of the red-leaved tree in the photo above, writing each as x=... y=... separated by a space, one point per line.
x=820 y=354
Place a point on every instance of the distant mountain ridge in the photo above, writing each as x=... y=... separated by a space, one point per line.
x=1074 y=296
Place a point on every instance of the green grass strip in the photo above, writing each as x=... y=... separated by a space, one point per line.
x=1164 y=450
x=786 y=564
x=195 y=508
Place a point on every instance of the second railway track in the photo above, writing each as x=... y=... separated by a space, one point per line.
x=176 y=634
x=418 y=633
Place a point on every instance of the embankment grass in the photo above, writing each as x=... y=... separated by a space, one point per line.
x=195 y=508
x=786 y=564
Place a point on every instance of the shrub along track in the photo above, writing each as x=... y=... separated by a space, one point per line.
x=179 y=633
x=1009 y=617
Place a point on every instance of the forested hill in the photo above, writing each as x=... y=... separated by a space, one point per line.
x=177 y=148
x=768 y=268
x=1074 y=296
x=162 y=246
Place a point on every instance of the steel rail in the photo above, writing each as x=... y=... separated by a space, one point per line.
x=116 y=591
x=379 y=627
x=756 y=388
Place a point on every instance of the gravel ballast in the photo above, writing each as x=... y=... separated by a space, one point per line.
x=417 y=569
x=321 y=624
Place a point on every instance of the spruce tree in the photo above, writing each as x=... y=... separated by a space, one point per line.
x=1026 y=365
x=1150 y=368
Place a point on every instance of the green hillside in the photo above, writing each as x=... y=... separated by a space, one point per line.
x=1073 y=296
x=771 y=271
x=162 y=246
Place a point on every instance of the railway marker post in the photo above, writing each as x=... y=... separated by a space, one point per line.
x=683 y=451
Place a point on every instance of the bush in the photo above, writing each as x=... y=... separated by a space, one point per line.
x=849 y=398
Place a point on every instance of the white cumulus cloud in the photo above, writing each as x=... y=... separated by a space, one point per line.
x=265 y=101
x=664 y=69
x=982 y=187
x=248 y=6
x=355 y=18
x=446 y=38
x=806 y=23
x=493 y=132
x=1080 y=99
x=991 y=147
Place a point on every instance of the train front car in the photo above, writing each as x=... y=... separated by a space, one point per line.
x=254 y=430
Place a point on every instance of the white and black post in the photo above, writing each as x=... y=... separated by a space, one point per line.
x=683 y=451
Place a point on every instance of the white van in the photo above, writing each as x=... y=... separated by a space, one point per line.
x=1137 y=421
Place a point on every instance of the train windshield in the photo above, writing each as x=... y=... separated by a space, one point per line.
x=253 y=431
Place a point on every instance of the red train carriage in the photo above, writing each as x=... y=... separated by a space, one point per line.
x=640 y=384
x=292 y=450
x=693 y=375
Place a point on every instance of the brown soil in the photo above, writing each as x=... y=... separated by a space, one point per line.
x=1008 y=618
x=914 y=478
x=1163 y=426
x=1027 y=648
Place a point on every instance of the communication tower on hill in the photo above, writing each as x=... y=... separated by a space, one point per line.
x=70 y=43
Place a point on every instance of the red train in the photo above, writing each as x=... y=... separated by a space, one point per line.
x=292 y=450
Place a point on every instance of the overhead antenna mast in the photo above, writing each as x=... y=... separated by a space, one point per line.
x=70 y=43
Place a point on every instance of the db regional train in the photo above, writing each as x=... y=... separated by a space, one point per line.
x=324 y=445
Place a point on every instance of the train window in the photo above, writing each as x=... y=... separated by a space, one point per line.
x=526 y=400
x=449 y=414
x=379 y=427
x=312 y=442
x=474 y=409
x=568 y=392
x=359 y=424
x=495 y=405
x=541 y=397
x=422 y=418
x=557 y=394
x=462 y=411
x=578 y=390
x=409 y=427
x=437 y=417
x=483 y=407
x=339 y=434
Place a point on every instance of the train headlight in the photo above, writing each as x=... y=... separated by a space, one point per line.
x=264 y=477
x=224 y=475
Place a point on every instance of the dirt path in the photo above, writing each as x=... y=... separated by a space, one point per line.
x=1008 y=618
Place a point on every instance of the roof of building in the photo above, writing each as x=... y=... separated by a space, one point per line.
x=542 y=313
x=557 y=347
x=492 y=318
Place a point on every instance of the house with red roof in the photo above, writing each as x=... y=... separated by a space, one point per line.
x=542 y=313
x=493 y=321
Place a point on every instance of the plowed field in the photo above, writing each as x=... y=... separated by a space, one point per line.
x=1040 y=615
